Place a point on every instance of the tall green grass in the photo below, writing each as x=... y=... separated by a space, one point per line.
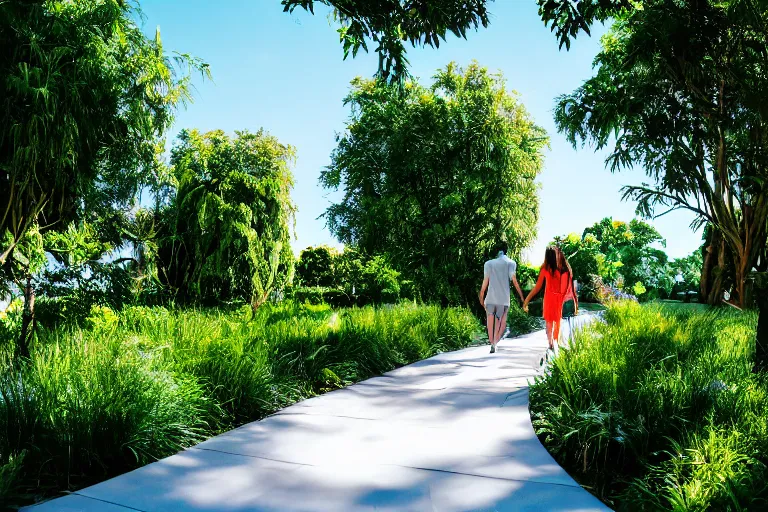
x=657 y=409
x=142 y=384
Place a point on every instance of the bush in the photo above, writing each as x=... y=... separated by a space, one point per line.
x=608 y=294
x=658 y=409
x=316 y=267
x=308 y=294
x=10 y=320
x=143 y=383
x=368 y=281
x=90 y=406
x=520 y=322
x=337 y=298
x=589 y=288
x=68 y=294
x=352 y=279
x=527 y=276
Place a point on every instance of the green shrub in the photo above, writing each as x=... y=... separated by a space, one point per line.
x=527 y=276
x=368 y=280
x=68 y=294
x=89 y=406
x=520 y=322
x=308 y=294
x=347 y=278
x=657 y=409
x=337 y=298
x=315 y=267
x=10 y=321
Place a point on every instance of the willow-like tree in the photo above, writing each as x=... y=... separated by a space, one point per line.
x=226 y=234
x=390 y=24
x=84 y=98
x=680 y=91
x=433 y=177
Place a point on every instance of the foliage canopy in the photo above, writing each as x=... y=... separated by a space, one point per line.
x=389 y=24
x=680 y=90
x=434 y=177
x=226 y=234
x=84 y=97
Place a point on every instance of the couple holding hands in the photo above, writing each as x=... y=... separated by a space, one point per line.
x=555 y=276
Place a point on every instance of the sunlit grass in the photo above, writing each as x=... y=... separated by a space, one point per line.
x=658 y=409
x=147 y=382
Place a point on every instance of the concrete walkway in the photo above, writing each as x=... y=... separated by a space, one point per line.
x=451 y=433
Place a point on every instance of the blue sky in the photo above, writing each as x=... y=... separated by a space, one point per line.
x=285 y=73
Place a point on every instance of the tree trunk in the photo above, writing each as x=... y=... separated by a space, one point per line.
x=27 y=319
x=761 y=342
x=708 y=266
x=713 y=272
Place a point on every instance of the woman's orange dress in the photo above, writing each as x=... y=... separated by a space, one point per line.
x=558 y=288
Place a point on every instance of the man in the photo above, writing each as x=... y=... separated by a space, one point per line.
x=498 y=273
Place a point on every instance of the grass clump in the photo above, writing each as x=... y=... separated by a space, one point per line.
x=658 y=409
x=138 y=385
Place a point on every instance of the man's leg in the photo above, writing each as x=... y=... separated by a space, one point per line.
x=490 y=323
x=501 y=326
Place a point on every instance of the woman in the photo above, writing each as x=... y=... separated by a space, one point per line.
x=556 y=274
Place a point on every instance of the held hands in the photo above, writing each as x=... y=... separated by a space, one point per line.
x=525 y=306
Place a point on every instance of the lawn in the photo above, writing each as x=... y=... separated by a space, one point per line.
x=138 y=385
x=658 y=409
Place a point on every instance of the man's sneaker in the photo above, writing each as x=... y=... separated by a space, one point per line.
x=493 y=349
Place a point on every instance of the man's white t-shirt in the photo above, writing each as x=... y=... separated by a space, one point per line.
x=499 y=272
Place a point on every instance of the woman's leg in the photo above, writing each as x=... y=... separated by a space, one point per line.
x=556 y=331
x=550 y=339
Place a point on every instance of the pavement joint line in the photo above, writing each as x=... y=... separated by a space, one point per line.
x=294 y=413
x=390 y=465
x=484 y=476
x=443 y=425
x=304 y=464
x=107 y=501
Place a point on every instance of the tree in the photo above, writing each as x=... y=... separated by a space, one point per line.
x=84 y=98
x=685 y=273
x=226 y=234
x=583 y=253
x=681 y=87
x=315 y=266
x=568 y=18
x=627 y=247
x=620 y=252
x=390 y=23
x=433 y=177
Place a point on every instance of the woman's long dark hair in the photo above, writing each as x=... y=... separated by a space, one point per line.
x=550 y=259
x=562 y=262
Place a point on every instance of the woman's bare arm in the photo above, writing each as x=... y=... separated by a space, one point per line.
x=535 y=291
